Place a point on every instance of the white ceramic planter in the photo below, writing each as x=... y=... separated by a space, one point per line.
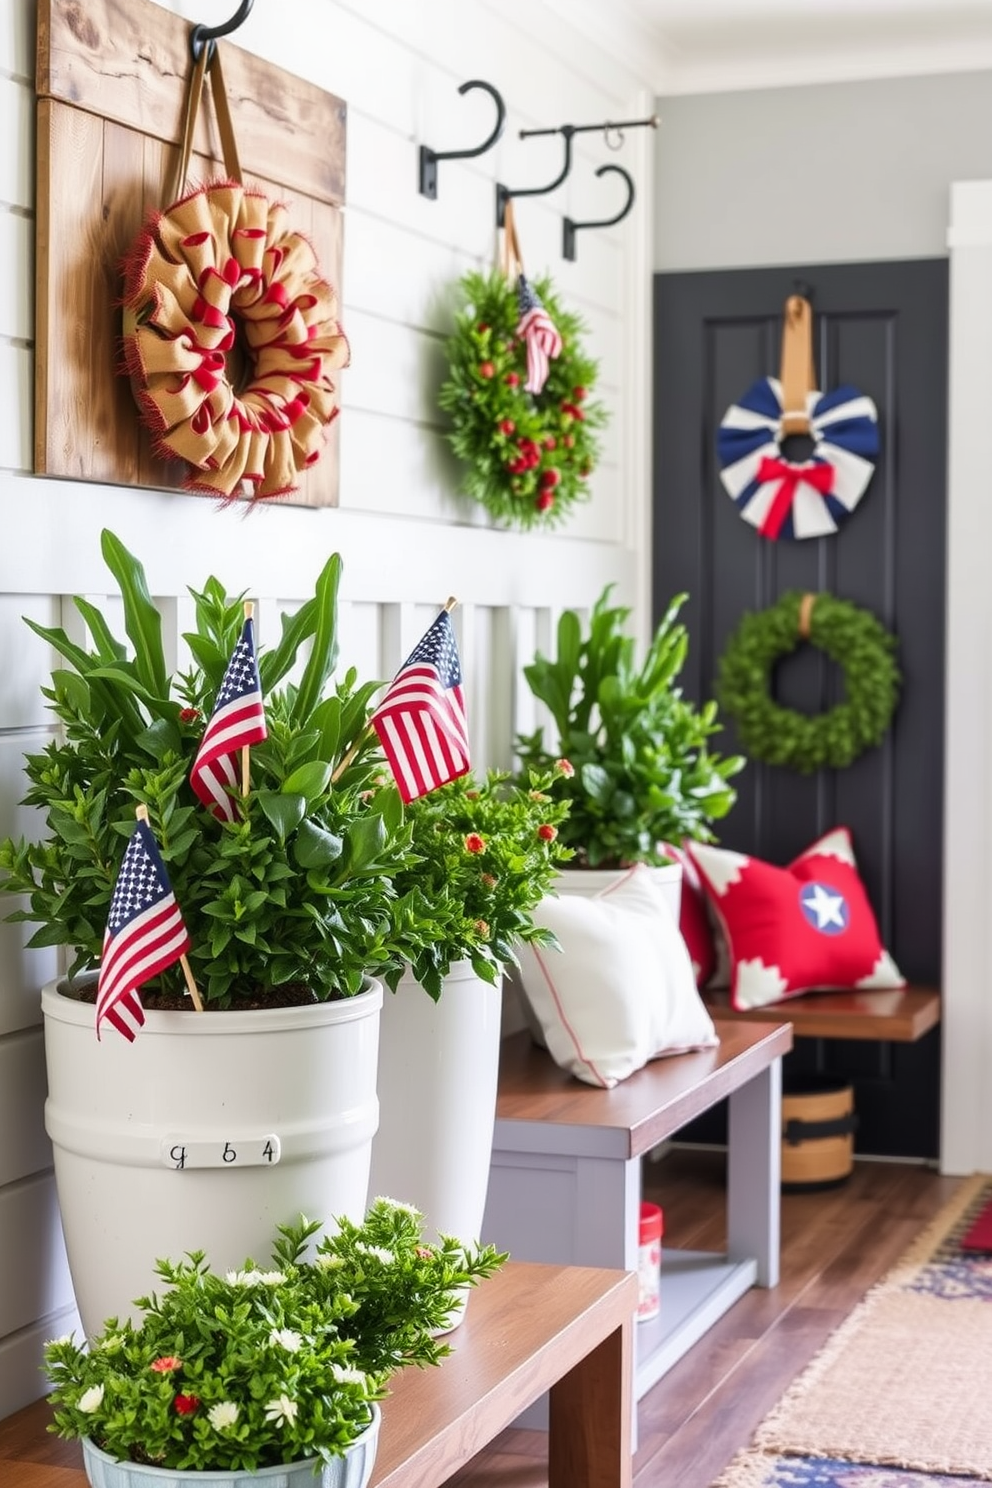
x=438 y=1069
x=352 y=1470
x=589 y=881
x=204 y=1134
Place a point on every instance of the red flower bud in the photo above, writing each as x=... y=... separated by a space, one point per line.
x=578 y=393
x=507 y=426
x=486 y=369
x=544 y=500
x=512 y=379
x=550 y=479
x=569 y=441
x=551 y=442
x=482 y=327
x=474 y=843
x=188 y=715
x=565 y=767
x=547 y=832
x=186 y=1404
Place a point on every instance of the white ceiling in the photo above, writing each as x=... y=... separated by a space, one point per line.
x=707 y=45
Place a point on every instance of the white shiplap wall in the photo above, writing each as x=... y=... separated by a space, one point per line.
x=406 y=539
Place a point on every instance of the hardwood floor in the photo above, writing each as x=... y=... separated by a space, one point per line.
x=834 y=1246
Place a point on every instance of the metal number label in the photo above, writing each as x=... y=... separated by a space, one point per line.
x=237 y=1152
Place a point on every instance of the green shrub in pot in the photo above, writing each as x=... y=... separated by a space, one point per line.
x=293 y=901
x=488 y=849
x=644 y=769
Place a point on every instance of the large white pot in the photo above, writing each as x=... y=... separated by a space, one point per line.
x=351 y=1470
x=204 y=1134
x=590 y=881
x=438 y=1070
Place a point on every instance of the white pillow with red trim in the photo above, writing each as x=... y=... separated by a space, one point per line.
x=805 y=928
x=621 y=990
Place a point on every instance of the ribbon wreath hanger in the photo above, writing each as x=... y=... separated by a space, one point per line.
x=535 y=327
x=779 y=496
x=230 y=333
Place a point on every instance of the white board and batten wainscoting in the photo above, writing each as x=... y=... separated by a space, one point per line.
x=407 y=541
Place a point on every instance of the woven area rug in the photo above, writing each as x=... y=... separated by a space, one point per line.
x=901 y=1394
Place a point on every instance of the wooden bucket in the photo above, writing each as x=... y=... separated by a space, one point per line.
x=818 y=1124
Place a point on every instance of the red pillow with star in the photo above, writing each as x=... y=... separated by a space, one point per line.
x=805 y=928
x=694 y=923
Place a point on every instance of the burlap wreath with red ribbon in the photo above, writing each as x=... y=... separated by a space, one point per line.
x=230 y=332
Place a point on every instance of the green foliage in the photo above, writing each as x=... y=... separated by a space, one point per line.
x=488 y=851
x=264 y=1367
x=644 y=771
x=493 y=417
x=299 y=889
x=854 y=639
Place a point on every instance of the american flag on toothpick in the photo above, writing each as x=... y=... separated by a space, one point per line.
x=237 y=721
x=145 y=934
x=421 y=720
x=539 y=333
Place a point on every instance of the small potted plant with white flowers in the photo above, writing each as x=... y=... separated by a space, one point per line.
x=264 y=1375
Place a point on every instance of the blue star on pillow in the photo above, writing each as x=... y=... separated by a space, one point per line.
x=826 y=911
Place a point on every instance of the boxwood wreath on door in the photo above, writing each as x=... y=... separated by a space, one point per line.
x=518 y=392
x=853 y=638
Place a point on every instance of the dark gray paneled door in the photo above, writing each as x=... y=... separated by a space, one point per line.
x=883 y=328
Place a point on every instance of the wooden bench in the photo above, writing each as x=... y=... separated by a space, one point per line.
x=527 y=1329
x=901 y=1016
x=565 y=1179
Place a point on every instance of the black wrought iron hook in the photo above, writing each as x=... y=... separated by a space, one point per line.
x=570 y=228
x=504 y=193
x=207 y=36
x=429 y=158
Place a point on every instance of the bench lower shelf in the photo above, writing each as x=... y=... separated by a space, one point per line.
x=565 y=1180
x=697 y=1288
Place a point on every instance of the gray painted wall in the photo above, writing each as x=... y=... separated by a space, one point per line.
x=831 y=173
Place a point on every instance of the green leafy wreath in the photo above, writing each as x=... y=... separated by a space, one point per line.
x=853 y=638
x=528 y=457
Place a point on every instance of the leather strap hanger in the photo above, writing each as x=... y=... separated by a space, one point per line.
x=796 y=375
x=207 y=62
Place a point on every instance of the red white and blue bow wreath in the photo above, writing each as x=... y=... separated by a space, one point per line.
x=539 y=334
x=788 y=498
x=781 y=497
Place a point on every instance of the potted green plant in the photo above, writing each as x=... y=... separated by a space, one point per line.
x=644 y=771
x=213 y=1125
x=264 y=1374
x=488 y=849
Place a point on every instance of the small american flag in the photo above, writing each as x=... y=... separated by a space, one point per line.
x=145 y=934
x=238 y=719
x=421 y=720
x=540 y=334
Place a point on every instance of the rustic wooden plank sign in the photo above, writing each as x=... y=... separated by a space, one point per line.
x=111 y=86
